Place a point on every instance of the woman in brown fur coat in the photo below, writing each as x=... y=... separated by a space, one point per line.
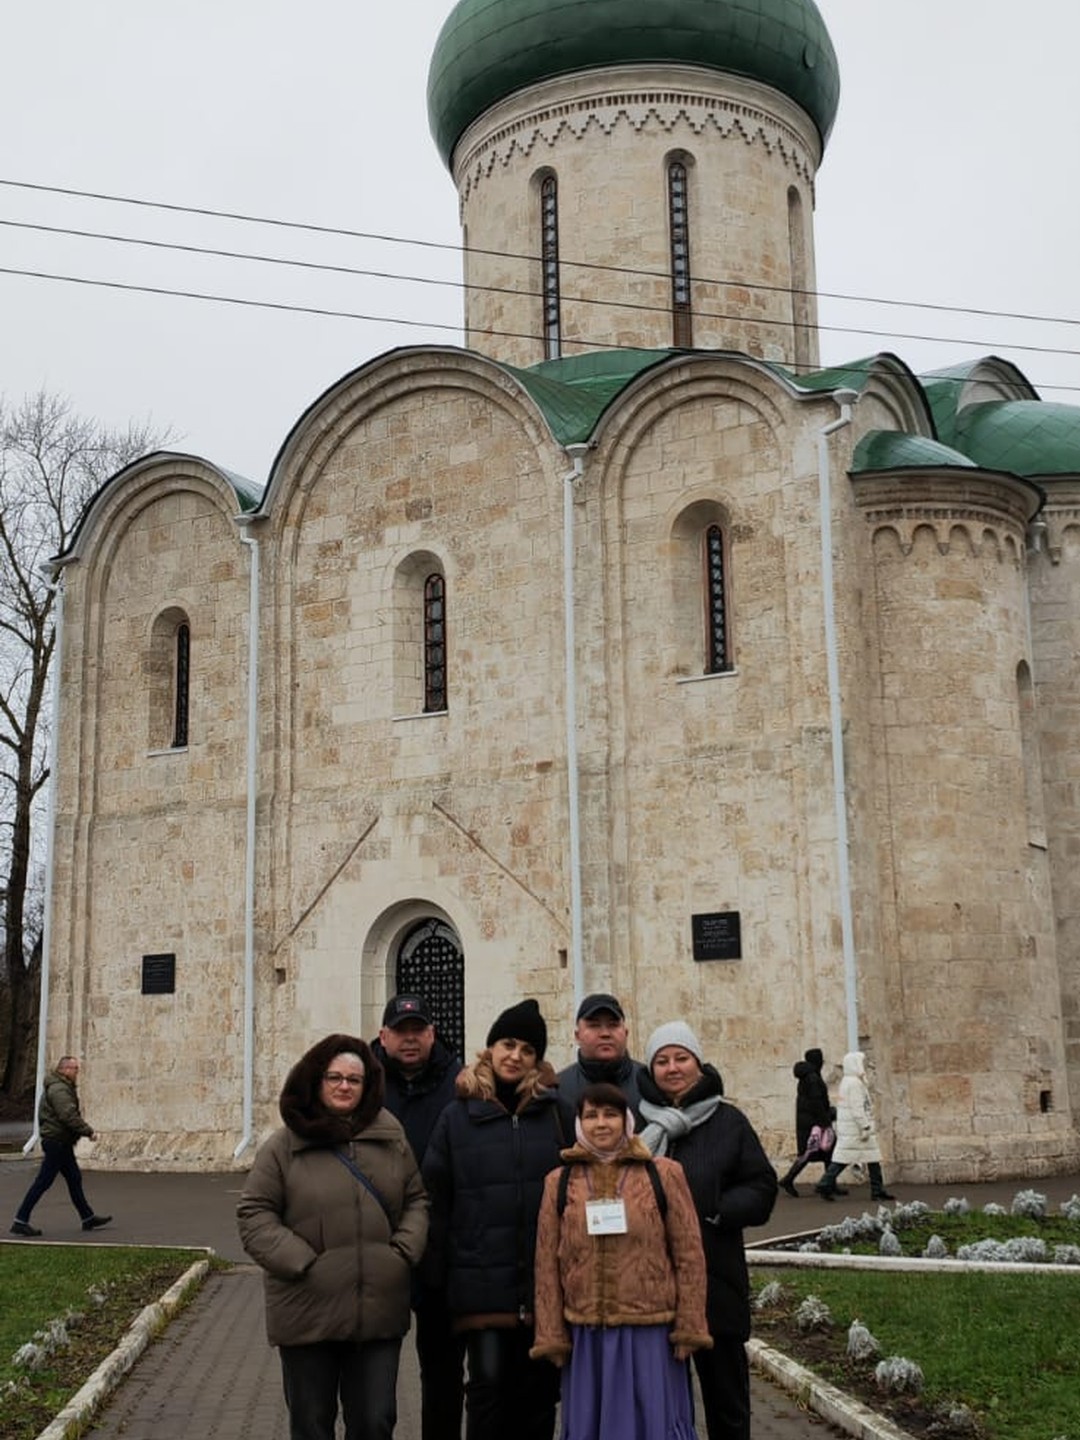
x=620 y=1281
x=484 y=1169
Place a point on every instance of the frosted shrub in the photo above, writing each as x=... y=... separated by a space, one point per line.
x=1025 y=1249
x=889 y=1244
x=771 y=1294
x=1067 y=1254
x=936 y=1249
x=909 y=1214
x=898 y=1376
x=813 y=1314
x=809 y=1247
x=993 y=1208
x=956 y=1206
x=861 y=1345
x=956 y=1418
x=1071 y=1208
x=30 y=1356
x=1030 y=1203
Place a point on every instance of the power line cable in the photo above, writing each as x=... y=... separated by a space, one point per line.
x=312 y=228
x=364 y=273
x=582 y=345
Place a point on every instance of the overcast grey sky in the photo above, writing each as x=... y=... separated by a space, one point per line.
x=950 y=178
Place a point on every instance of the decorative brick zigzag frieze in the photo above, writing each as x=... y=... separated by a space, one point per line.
x=667 y=110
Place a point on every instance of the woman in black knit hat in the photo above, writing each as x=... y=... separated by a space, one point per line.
x=484 y=1169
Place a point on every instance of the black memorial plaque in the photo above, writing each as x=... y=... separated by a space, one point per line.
x=159 y=974
x=717 y=936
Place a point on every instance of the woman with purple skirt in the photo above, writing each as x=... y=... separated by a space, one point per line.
x=620 y=1281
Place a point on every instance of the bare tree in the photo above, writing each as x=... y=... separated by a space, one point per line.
x=52 y=461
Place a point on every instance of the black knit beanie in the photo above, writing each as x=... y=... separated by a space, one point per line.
x=521 y=1022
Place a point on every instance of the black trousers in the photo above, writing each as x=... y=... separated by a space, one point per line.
x=442 y=1364
x=827 y=1183
x=508 y=1396
x=362 y=1376
x=59 y=1160
x=724 y=1376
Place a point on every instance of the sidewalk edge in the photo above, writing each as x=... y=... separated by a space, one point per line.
x=85 y=1403
x=826 y=1400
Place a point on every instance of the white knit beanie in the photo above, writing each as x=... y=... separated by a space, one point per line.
x=675 y=1032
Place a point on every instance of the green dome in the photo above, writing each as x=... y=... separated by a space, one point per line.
x=1026 y=437
x=488 y=49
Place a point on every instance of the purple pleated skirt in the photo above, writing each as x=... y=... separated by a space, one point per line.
x=623 y=1383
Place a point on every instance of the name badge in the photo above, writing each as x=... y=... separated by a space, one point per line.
x=605 y=1217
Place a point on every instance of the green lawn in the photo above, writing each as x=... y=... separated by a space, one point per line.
x=41 y=1283
x=1006 y=1345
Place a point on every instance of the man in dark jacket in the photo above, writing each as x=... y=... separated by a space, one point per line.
x=61 y=1126
x=603 y=1052
x=420 y=1074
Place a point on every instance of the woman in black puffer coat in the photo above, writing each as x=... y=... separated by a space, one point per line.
x=484 y=1169
x=733 y=1185
x=812 y=1107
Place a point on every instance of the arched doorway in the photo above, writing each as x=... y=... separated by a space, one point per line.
x=430 y=962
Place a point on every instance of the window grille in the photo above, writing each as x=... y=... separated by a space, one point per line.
x=717 y=656
x=182 y=686
x=430 y=963
x=434 y=643
x=679 y=224
x=549 y=252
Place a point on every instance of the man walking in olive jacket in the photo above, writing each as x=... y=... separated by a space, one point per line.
x=61 y=1126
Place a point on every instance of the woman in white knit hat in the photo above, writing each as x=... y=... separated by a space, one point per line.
x=733 y=1185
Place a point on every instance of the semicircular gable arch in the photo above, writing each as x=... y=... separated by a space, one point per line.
x=124 y=495
x=354 y=399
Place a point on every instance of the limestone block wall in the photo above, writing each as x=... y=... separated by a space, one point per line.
x=381 y=811
x=977 y=1061
x=1055 y=604
x=606 y=136
x=150 y=838
x=710 y=793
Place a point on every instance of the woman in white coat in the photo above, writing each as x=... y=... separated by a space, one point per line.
x=856 y=1132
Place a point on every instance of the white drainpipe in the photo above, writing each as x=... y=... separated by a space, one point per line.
x=50 y=843
x=249 y=858
x=845 y=399
x=577 y=455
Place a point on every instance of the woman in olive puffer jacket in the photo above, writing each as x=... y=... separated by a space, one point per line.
x=335 y=1212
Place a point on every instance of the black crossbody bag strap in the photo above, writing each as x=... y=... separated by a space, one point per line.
x=367 y=1184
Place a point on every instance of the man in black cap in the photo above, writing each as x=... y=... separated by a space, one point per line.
x=602 y=1038
x=420 y=1075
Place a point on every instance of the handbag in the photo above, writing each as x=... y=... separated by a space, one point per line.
x=822 y=1140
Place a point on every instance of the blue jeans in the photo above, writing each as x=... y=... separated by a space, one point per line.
x=363 y=1375
x=59 y=1160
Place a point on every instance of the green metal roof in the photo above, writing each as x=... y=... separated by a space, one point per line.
x=895 y=450
x=488 y=49
x=1025 y=437
x=574 y=393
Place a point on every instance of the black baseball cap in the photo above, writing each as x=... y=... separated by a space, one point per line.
x=406 y=1007
x=593 y=1004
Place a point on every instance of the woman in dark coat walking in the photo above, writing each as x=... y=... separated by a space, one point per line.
x=484 y=1168
x=733 y=1186
x=812 y=1108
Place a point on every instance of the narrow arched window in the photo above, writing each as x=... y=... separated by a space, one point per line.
x=717 y=650
x=181 y=686
x=434 y=643
x=679 y=229
x=549 y=261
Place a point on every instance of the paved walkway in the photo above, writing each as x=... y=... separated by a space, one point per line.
x=212 y=1375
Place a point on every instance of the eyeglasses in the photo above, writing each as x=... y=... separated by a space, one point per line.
x=334 y=1078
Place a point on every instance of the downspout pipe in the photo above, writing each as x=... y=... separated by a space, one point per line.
x=576 y=455
x=845 y=399
x=247 y=1122
x=56 y=584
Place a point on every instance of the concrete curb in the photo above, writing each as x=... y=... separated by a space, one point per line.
x=73 y=1419
x=841 y=1410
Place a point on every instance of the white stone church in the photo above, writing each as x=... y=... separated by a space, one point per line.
x=623 y=649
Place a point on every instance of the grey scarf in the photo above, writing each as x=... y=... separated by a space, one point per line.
x=671 y=1122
